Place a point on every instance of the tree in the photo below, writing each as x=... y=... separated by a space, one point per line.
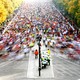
x=16 y=3
x=8 y=5
x=3 y=12
x=72 y=8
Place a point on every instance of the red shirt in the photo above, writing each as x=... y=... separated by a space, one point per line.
x=36 y=52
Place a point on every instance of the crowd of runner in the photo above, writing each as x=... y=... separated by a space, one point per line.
x=30 y=21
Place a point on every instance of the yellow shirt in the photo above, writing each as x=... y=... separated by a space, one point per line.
x=49 y=52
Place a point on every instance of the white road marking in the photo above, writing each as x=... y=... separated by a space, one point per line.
x=8 y=77
x=5 y=63
x=68 y=61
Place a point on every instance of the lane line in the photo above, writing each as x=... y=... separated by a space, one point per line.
x=5 y=63
x=68 y=61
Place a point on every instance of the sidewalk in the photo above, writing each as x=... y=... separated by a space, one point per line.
x=33 y=67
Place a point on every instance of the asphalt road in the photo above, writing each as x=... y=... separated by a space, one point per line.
x=10 y=70
x=63 y=69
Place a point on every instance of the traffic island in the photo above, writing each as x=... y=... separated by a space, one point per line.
x=33 y=67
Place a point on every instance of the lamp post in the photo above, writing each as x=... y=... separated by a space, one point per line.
x=39 y=60
x=39 y=39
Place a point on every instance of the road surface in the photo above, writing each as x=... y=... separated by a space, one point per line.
x=63 y=69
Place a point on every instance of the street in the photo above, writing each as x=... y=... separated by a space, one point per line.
x=63 y=68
